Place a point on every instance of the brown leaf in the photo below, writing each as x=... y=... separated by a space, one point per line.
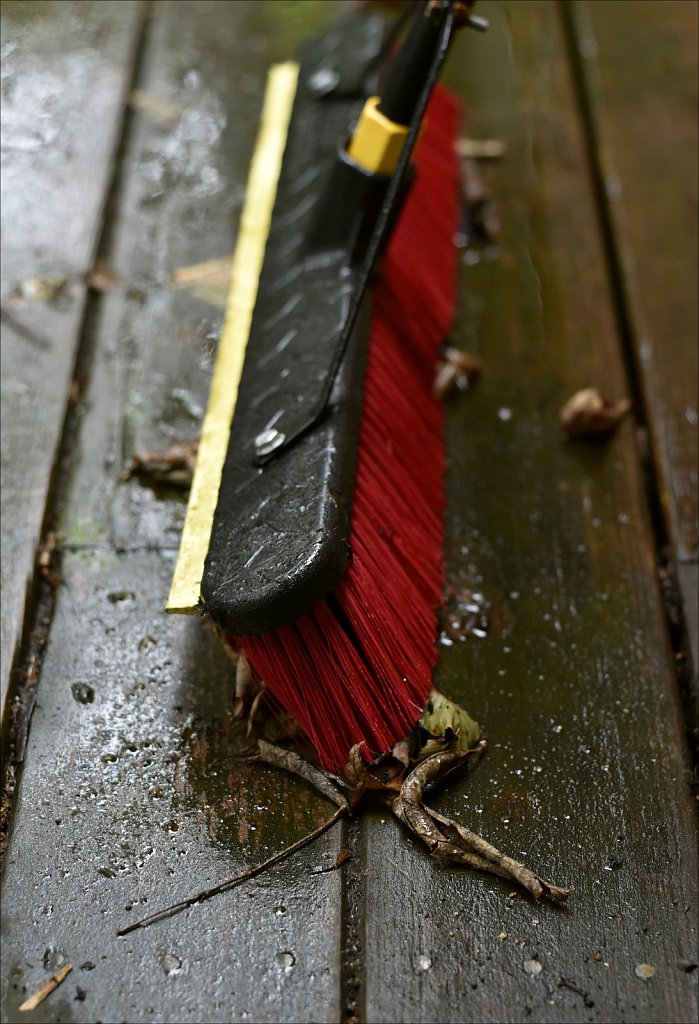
x=174 y=466
x=448 y=840
x=384 y=774
x=457 y=371
x=103 y=279
x=589 y=414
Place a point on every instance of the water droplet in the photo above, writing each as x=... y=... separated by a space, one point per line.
x=171 y=964
x=83 y=693
x=532 y=968
x=505 y=414
x=286 y=960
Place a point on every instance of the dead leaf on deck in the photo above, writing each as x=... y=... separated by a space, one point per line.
x=457 y=371
x=448 y=840
x=589 y=414
x=103 y=279
x=209 y=281
x=444 y=725
x=481 y=221
x=174 y=467
x=384 y=774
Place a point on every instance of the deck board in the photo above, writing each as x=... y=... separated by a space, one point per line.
x=640 y=65
x=66 y=69
x=587 y=777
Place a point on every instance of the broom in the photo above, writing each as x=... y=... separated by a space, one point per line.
x=324 y=561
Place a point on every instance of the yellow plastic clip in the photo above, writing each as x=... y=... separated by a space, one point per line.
x=377 y=142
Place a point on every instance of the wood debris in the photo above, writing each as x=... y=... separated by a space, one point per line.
x=47 y=559
x=47 y=288
x=46 y=989
x=154 y=106
x=208 y=281
x=481 y=149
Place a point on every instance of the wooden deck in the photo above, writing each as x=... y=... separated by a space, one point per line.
x=127 y=131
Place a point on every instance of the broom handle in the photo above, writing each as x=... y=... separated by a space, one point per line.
x=411 y=65
x=411 y=81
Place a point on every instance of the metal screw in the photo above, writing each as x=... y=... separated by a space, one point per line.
x=268 y=441
x=323 y=81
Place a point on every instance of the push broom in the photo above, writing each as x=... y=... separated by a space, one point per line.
x=313 y=536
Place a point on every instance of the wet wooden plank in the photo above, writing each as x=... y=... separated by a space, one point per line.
x=585 y=773
x=640 y=66
x=66 y=67
x=586 y=778
x=145 y=804
x=149 y=804
x=181 y=198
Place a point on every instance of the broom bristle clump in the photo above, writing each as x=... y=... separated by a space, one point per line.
x=358 y=667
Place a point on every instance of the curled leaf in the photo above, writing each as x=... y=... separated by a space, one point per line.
x=448 y=840
x=589 y=414
x=384 y=773
x=445 y=725
x=457 y=371
x=174 y=466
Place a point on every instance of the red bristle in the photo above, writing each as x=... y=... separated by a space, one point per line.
x=359 y=666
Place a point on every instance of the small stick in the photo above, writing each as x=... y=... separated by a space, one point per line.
x=279 y=757
x=46 y=989
x=231 y=883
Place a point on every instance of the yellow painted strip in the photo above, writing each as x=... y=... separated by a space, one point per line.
x=247 y=264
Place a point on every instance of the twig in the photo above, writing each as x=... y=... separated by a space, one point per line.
x=231 y=883
x=279 y=757
x=448 y=840
x=46 y=989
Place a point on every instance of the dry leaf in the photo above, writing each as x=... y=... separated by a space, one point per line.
x=481 y=222
x=589 y=414
x=457 y=370
x=445 y=726
x=384 y=774
x=448 y=840
x=173 y=467
x=103 y=279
